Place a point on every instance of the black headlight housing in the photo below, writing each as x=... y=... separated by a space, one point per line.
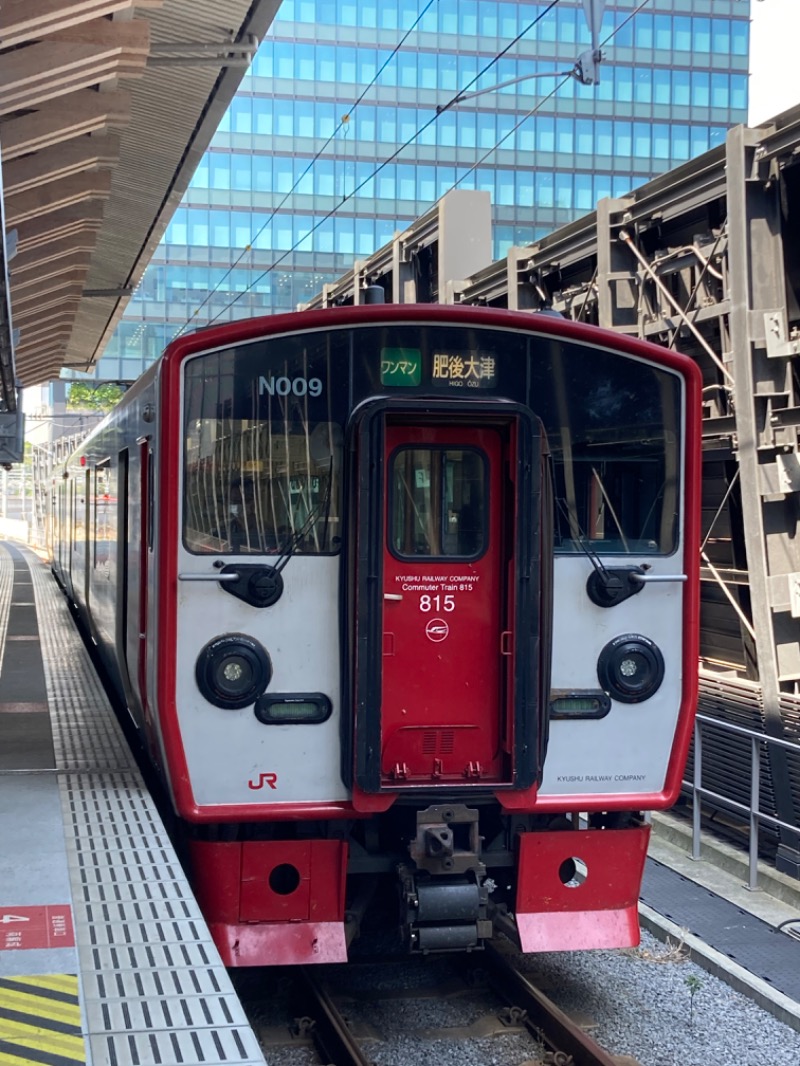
x=233 y=671
x=630 y=668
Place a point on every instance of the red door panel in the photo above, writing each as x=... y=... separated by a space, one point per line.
x=445 y=634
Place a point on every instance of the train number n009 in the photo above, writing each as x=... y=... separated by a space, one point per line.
x=282 y=386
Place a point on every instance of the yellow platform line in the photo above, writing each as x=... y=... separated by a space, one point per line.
x=40 y=1021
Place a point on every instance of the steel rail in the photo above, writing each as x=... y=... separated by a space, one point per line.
x=542 y=1017
x=330 y=1031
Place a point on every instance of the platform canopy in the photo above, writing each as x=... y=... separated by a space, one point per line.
x=106 y=107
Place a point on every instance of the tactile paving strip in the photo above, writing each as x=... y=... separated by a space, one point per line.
x=154 y=988
x=752 y=943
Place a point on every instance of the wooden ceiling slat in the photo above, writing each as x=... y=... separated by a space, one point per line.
x=54 y=164
x=28 y=20
x=74 y=269
x=73 y=60
x=52 y=252
x=94 y=185
x=82 y=112
x=35 y=232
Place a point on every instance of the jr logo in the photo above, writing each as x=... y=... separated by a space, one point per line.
x=264 y=779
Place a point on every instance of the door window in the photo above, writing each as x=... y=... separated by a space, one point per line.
x=438 y=503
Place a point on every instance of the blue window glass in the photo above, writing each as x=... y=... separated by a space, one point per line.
x=365 y=122
x=345 y=64
x=681 y=88
x=177 y=228
x=680 y=143
x=524 y=188
x=241 y=114
x=661 y=140
x=326 y=64
x=623 y=35
x=198 y=227
x=487 y=19
x=544 y=186
x=304 y=61
x=699 y=140
x=641 y=140
x=467 y=128
x=623 y=139
x=303 y=119
x=623 y=82
x=426 y=184
x=701 y=38
x=682 y=33
x=283 y=173
x=428 y=72
x=219 y=170
x=602 y=186
x=323 y=177
x=486 y=129
x=241 y=171
x=262 y=116
x=662 y=26
x=387 y=125
x=545 y=134
x=447 y=71
x=567 y=25
x=348 y=12
x=327 y=119
x=367 y=65
x=643 y=30
x=508 y=20
x=739 y=91
x=716 y=135
x=284 y=60
x=220 y=229
x=643 y=86
x=506 y=187
x=584 y=136
x=720 y=36
x=284 y=118
x=740 y=34
x=603 y=133
x=584 y=194
x=261 y=166
x=406 y=183
x=468 y=18
x=565 y=135
x=563 y=190
x=720 y=95
x=662 y=86
x=701 y=88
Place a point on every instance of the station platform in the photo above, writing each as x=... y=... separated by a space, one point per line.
x=104 y=955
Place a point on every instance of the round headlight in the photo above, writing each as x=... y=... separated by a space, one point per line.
x=233 y=671
x=630 y=668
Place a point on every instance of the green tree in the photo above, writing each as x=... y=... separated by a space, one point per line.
x=88 y=396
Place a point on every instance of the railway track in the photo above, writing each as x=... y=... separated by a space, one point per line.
x=360 y=1015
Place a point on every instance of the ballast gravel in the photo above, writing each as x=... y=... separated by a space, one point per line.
x=650 y=1003
x=655 y=1005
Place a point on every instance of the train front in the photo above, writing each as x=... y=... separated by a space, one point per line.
x=429 y=577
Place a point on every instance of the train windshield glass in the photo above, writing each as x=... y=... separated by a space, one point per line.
x=262 y=457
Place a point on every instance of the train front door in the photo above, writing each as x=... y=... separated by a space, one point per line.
x=450 y=600
x=445 y=627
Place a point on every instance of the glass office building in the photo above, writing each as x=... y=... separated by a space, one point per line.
x=298 y=182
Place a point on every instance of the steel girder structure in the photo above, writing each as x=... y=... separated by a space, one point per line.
x=704 y=259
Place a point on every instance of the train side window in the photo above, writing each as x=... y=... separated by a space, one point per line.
x=438 y=503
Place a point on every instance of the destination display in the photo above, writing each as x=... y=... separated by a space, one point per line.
x=453 y=369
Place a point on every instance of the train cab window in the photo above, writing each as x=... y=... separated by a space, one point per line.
x=438 y=503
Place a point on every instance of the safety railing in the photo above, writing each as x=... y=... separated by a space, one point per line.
x=753 y=813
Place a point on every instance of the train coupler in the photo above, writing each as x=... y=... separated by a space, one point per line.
x=445 y=894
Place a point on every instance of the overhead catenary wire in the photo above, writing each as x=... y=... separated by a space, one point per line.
x=343 y=123
x=413 y=138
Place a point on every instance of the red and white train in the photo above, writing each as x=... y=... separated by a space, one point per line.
x=403 y=601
